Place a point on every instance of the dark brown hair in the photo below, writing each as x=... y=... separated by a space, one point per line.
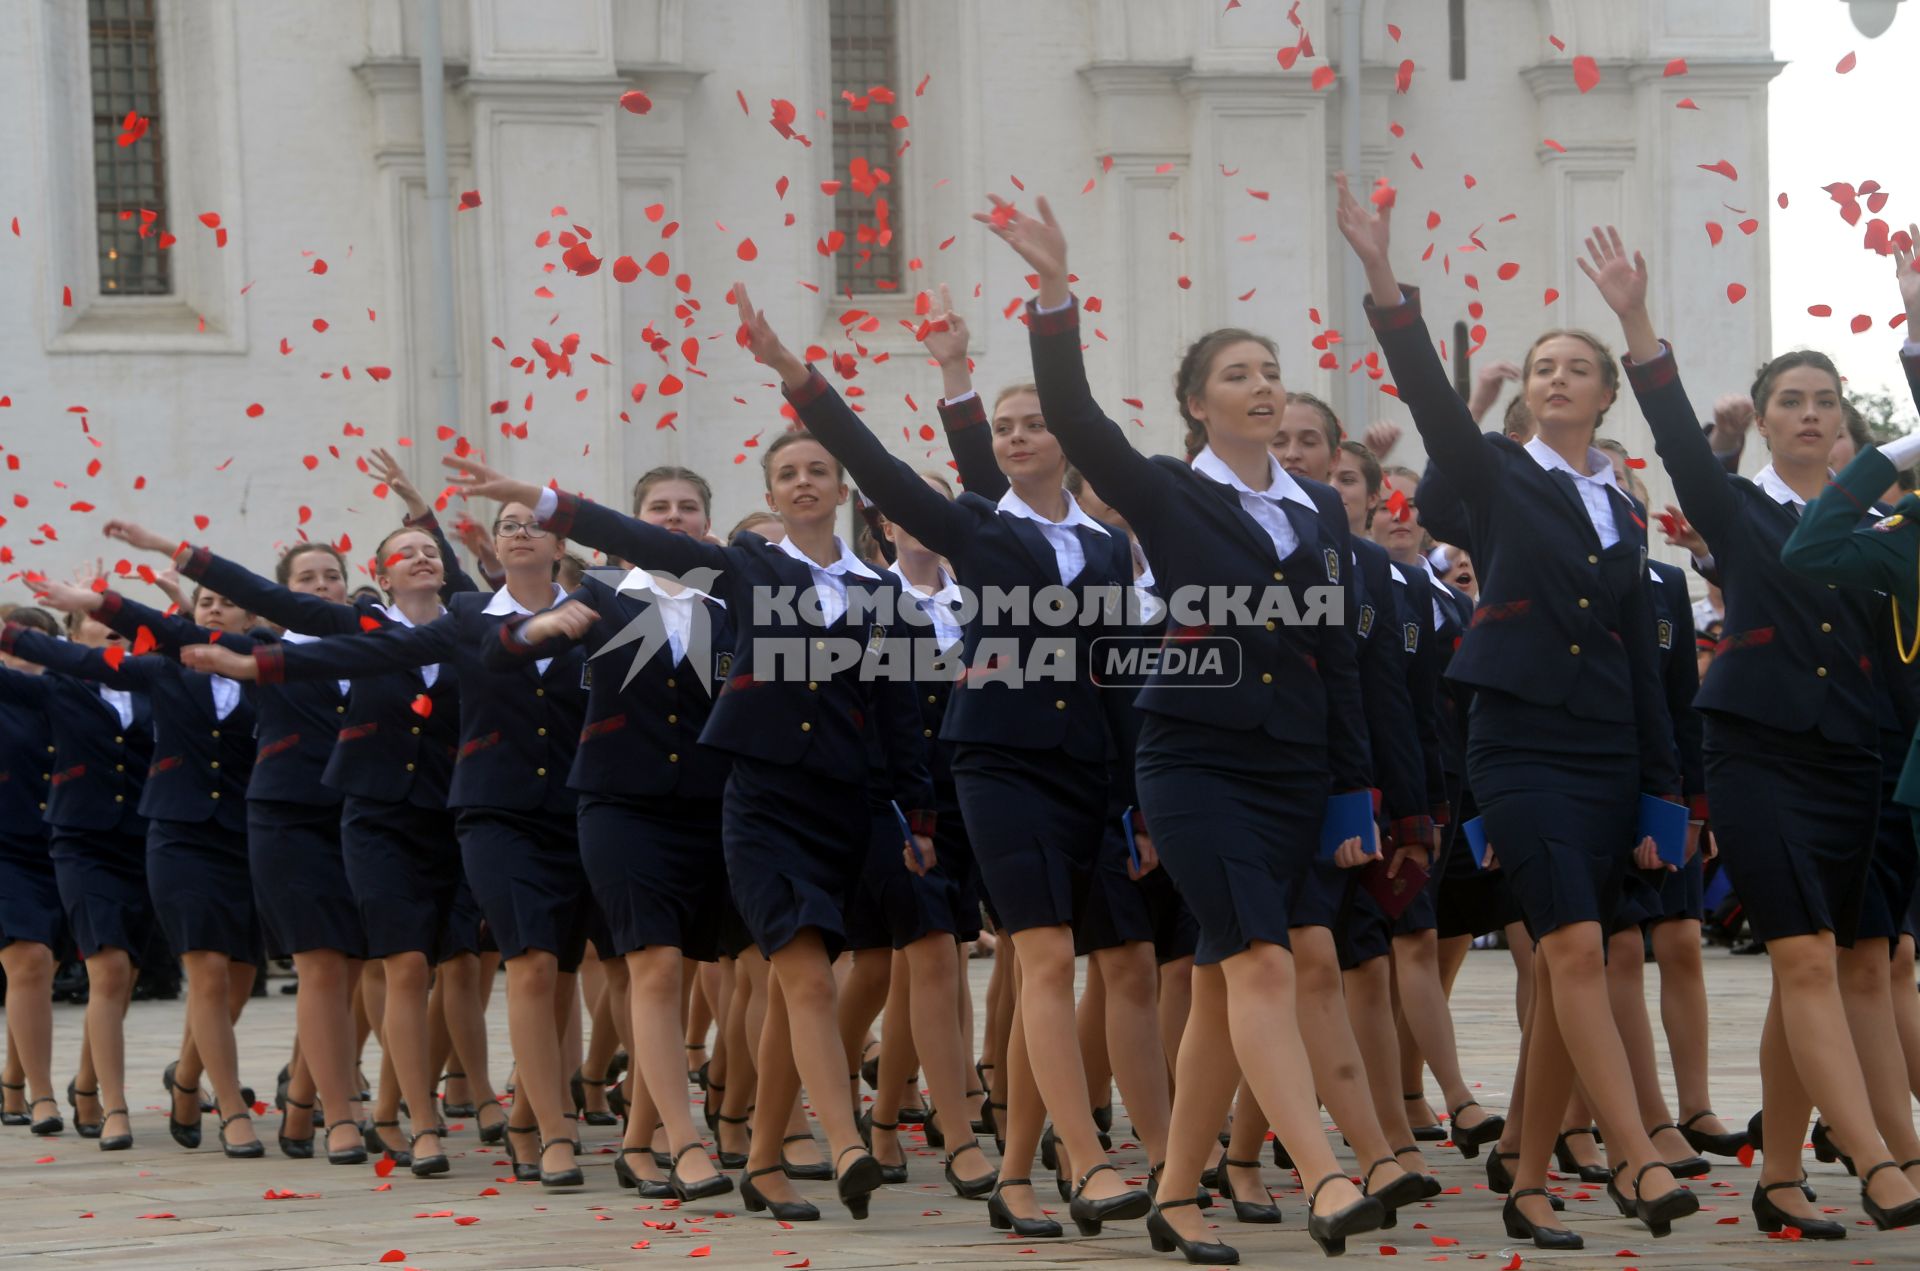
x=1772 y=371
x=1330 y=421
x=283 y=568
x=672 y=472
x=1609 y=365
x=794 y=437
x=1369 y=465
x=31 y=616
x=1191 y=379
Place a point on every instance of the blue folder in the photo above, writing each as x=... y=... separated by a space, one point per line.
x=1666 y=824
x=906 y=832
x=1476 y=832
x=1126 y=831
x=1348 y=816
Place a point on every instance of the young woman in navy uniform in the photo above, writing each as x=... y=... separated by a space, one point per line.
x=514 y=815
x=195 y=805
x=1029 y=762
x=31 y=924
x=1233 y=785
x=1794 y=701
x=794 y=825
x=1569 y=727
x=392 y=760
x=102 y=747
x=649 y=812
x=293 y=848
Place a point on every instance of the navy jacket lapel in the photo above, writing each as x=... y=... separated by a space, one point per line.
x=1036 y=544
x=1563 y=482
x=1239 y=518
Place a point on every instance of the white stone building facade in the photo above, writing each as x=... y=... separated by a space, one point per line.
x=297 y=123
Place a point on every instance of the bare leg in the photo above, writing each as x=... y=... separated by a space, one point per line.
x=1785 y=1107
x=406 y=1045
x=1025 y=1112
x=109 y=990
x=29 y=969
x=1046 y=1000
x=654 y=977
x=862 y=993
x=464 y=996
x=1416 y=967
x=209 y=1003
x=1338 y=1074
x=1176 y=1003
x=1867 y=995
x=933 y=964
x=323 y=1015
x=1090 y=1026
x=1205 y=1077
x=1369 y=996
x=1131 y=982
x=1683 y=1016
x=1906 y=1011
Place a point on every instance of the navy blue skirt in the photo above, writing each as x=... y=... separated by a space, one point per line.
x=795 y=843
x=1795 y=816
x=403 y=864
x=300 y=879
x=526 y=872
x=955 y=848
x=1120 y=910
x=1468 y=901
x=202 y=889
x=735 y=939
x=1035 y=819
x=30 y=907
x=1560 y=818
x=102 y=879
x=891 y=906
x=1235 y=817
x=1890 y=880
x=657 y=870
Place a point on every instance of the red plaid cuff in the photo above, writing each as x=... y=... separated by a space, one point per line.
x=1697 y=808
x=1395 y=317
x=271 y=662
x=195 y=565
x=1059 y=322
x=109 y=607
x=959 y=415
x=560 y=524
x=1411 y=831
x=922 y=821
x=425 y=521
x=1440 y=814
x=810 y=392
x=1375 y=792
x=9 y=632
x=510 y=635
x=1654 y=373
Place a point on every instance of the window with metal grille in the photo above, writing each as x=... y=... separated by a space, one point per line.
x=1456 y=39
x=863 y=38
x=129 y=181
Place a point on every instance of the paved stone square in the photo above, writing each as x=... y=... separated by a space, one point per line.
x=64 y=1204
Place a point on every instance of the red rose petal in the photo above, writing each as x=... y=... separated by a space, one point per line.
x=393 y=1255
x=1845 y=64
x=636 y=102
x=1586 y=73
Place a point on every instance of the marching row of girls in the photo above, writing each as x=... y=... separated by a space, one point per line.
x=655 y=765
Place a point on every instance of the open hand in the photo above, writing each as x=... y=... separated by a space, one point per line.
x=138 y=536
x=215 y=660
x=1040 y=241
x=475 y=480
x=1367 y=228
x=1622 y=280
x=386 y=468
x=947 y=334
x=766 y=346
x=1906 y=266
x=1679 y=532
x=68 y=597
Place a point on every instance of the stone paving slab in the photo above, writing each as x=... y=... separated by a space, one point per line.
x=219 y=1218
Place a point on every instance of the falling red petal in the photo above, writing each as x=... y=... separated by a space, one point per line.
x=1586 y=73
x=636 y=102
x=1845 y=64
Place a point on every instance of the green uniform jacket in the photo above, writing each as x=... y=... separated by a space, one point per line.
x=1831 y=546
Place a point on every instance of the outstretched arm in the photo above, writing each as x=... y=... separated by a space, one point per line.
x=110 y=666
x=144 y=626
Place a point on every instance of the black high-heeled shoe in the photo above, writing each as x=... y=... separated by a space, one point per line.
x=1404 y=1190
x=649 y=1188
x=281 y=1083
x=527 y=1171
x=116 y=1142
x=1469 y=1138
x=999 y=1126
x=1429 y=1184
x=572 y=1176
x=1164 y=1239
x=1050 y=1149
x=457 y=1110
x=1425 y=1133
x=1001 y=1218
x=784 y=1210
x=1282 y=1159
x=377 y=1143
x=1718 y=1144
x=296 y=1149
x=1905 y=1215
x=1499 y=1177
x=15 y=1118
x=85 y=1129
x=1825 y=1150
x=1563 y=1157
x=1660 y=1213
x=355 y=1155
x=1330 y=1231
x=46 y=1126
x=870 y=1068
x=1770 y=1218
x=818 y=1172
x=968 y=1188
x=491 y=1135
x=185 y=1133
x=1687 y=1167
x=731 y=1160
x=1520 y=1227
x=1088 y=1213
x=718 y=1185
x=697 y=1076
x=929 y=1126
x=1243 y=1210
x=578 y=1084
x=857 y=1185
x=428 y=1166
x=240 y=1151
x=982 y=1123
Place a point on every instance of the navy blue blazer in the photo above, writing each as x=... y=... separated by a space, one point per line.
x=295 y=725
x=766 y=712
x=518 y=726
x=991 y=549
x=99 y=766
x=1795 y=654
x=1680 y=673
x=27 y=756
x=1298 y=683
x=1562 y=622
x=200 y=762
x=385 y=749
x=1426 y=662
x=1393 y=731
x=640 y=735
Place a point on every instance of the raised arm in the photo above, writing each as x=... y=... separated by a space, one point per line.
x=383 y=466
x=394 y=648
x=131 y=618
x=588 y=523
x=902 y=495
x=1446 y=424
x=1700 y=481
x=295 y=611
x=962 y=413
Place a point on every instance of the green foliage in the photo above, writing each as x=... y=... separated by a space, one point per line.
x=1886 y=416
